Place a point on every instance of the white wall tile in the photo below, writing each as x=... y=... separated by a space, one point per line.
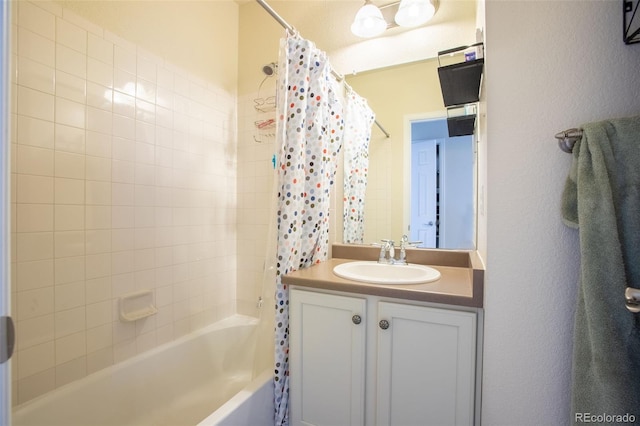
x=124 y=128
x=34 y=189
x=98 y=217
x=36 y=385
x=122 y=239
x=124 y=59
x=70 y=347
x=69 y=243
x=122 y=262
x=124 y=82
x=35 y=331
x=34 y=132
x=35 y=303
x=144 y=195
x=99 y=314
x=69 y=139
x=98 y=169
x=100 y=73
x=98 y=265
x=71 y=35
x=98 y=144
x=69 y=165
x=99 y=337
x=98 y=193
x=98 y=241
x=122 y=194
x=34 y=217
x=70 y=87
x=71 y=61
x=99 y=359
x=98 y=289
x=99 y=120
x=68 y=321
x=70 y=113
x=34 y=246
x=99 y=96
x=124 y=104
x=37 y=19
x=36 y=47
x=69 y=270
x=69 y=191
x=70 y=371
x=35 y=75
x=36 y=359
x=69 y=218
x=33 y=275
x=35 y=104
x=100 y=49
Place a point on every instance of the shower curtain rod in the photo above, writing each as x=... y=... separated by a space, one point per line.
x=292 y=30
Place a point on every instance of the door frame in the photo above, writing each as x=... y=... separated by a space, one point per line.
x=5 y=223
x=406 y=159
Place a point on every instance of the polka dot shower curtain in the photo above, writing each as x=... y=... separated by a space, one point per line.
x=309 y=134
x=358 y=121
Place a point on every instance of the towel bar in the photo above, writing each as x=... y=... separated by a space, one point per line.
x=632 y=295
x=568 y=138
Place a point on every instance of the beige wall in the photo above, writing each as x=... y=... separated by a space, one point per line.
x=200 y=36
x=540 y=82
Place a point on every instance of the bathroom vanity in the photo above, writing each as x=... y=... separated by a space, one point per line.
x=386 y=354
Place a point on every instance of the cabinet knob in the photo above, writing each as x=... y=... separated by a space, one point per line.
x=384 y=324
x=357 y=319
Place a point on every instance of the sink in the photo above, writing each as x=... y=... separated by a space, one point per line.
x=381 y=273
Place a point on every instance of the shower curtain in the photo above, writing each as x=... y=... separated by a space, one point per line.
x=358 y=121
x=309 y=137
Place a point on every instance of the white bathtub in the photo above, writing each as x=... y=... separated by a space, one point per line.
x=204 y=378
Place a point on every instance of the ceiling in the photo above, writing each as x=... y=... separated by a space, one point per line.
x=328 y=21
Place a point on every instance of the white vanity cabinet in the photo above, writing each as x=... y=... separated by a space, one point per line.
x=359 y=359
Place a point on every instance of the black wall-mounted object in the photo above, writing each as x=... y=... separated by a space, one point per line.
x=460 y=83
x=630 y=21
x=462 y=125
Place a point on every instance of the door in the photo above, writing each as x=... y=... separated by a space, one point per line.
x=426 y=366
x=424 y=184
x=326 y=359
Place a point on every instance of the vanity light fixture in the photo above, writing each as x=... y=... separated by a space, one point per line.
x=368 y=21
x=412 y=13
x=371 y=20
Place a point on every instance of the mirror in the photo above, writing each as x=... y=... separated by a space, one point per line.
x=421 y=182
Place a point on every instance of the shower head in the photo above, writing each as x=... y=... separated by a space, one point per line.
x=270 y=69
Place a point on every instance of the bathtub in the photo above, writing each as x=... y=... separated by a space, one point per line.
x=204 y=378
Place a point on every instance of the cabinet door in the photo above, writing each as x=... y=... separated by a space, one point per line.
x=327 y=359
x=426 y=366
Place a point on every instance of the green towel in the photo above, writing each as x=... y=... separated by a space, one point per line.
x=602 y=198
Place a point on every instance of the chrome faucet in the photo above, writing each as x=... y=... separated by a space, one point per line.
x=388 y=254
x=404 y=243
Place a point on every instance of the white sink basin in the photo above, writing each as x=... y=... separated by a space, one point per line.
x=380 y=273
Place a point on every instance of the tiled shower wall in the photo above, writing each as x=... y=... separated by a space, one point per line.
x=123 y=179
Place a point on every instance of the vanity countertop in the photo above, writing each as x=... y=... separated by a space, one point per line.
x=461 y=282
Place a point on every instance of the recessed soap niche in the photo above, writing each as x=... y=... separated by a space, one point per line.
x=137 y=305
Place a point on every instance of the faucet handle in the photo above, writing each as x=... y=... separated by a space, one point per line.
x=404 y=242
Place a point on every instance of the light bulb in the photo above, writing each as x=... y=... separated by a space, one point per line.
x=412 y=13
x=368 y=22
